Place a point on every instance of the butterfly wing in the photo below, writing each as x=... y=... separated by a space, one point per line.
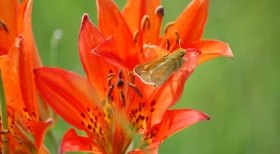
x=161 y=73
x=145 y=70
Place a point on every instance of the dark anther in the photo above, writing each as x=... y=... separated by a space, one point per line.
x=110 y=97
x=3 y=26
x=160 y=10
x=120 y=80
x=133 y=86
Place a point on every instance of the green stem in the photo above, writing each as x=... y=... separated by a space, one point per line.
x=53 y=140
x=4 y=118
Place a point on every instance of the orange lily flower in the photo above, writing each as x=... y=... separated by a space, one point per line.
x=15 y=21
x=18 y=59
x=140 y=25
x=26 y=130
x=112 y=122
x=111 y=105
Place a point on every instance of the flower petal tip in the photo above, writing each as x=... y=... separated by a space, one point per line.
x=228 y=52
x=85 y=17
x=204 y=116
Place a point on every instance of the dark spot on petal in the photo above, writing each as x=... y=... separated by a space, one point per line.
x=153 y=103
x=83 y=115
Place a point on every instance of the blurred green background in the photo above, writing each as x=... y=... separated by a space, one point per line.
x=241 y=95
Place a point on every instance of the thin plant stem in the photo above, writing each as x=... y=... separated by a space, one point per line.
x=53 y=140
x=4 y=119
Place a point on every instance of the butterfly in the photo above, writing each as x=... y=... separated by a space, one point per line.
x=158 y=71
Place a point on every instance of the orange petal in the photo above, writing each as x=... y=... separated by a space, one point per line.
x=153 y=52
x=189 y=24
x=95 y=67
x=111 y=23
x=39 y=131
x=26 y=77
x=10 y=78
x=8 y=23
x=106 y=51
x=175 y=120
x=211 y=49
x=71 y=142
x=135 y=10
x=25 y=28
x=67 y=93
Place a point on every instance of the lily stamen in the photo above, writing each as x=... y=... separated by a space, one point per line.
x=145 y=23
x=135 y=36
x=110 y=76
x=134 y=87
x=168 y=26
x=160 y=11
x=178 y=39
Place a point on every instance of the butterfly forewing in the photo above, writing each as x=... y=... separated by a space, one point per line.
x=158 y=71
x=161 y=73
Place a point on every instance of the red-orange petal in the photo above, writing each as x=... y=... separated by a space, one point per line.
x=211 y=49
x=189 y=24
x=10 y=77
x=26 y=77
x=135 y=10
x=95 y=67
x=24 y=27
x=112 y=24
x=67 y=93
x=175 y=120
x=71 y=142
x=39 y=131
x=8 y=23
